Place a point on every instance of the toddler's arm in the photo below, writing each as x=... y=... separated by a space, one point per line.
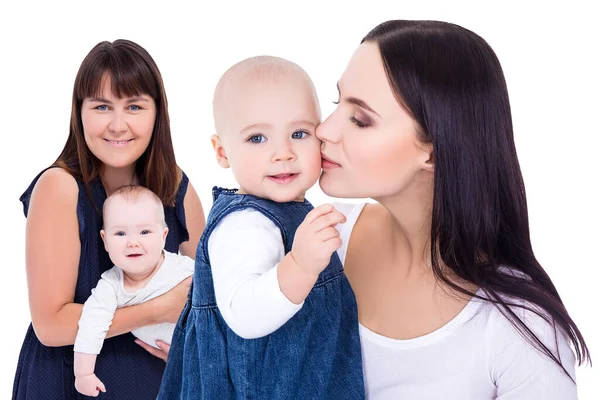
x=257 y=287
x=244 y=251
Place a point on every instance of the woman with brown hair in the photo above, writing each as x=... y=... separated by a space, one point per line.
x=119 y=135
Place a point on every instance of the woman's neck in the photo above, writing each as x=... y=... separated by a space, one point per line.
x=410 y=220
x=114 y=178
x=409 y=223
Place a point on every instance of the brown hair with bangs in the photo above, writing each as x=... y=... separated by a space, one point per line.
x=132 y=72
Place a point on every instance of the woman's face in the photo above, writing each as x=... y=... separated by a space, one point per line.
x=117 y=130
x=370 y=146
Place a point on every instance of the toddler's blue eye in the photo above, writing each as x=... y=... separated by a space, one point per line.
x=299 y=135
x=257 y=139
x=145 y=232
x=120 y=233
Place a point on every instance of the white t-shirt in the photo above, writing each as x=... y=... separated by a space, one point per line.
x=477 y=355
x=99 y=309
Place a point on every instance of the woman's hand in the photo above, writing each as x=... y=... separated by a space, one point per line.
x=168 y=306
x=163 y=353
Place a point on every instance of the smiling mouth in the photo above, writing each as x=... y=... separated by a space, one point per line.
x=282 y=178
x=118 y=142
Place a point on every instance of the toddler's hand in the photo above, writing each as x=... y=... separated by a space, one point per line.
x=89 y=385
x=316 y=239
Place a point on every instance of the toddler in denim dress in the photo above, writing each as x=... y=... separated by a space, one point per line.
x=271 y=314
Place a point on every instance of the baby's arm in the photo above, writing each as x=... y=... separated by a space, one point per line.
x=86 y=382
x=96 y=317
x=244 y=251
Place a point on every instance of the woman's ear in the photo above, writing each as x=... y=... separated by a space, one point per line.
x=427 y=157
x=219 y=151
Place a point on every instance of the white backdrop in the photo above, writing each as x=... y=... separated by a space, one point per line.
x=549 y=52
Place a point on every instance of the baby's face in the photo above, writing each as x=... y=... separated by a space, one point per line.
x=270 y=142
x=134 y=234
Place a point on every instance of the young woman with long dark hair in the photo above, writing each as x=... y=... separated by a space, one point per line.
x=452 y=301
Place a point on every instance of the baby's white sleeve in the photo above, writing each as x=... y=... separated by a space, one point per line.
x=244 y=250
x=96 y=318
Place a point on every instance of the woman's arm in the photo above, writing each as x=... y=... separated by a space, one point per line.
x=194 y=220
x=52 y=261
x=521 y=371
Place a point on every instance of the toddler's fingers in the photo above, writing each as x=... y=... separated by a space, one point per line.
x=328 y=220
x=101 y=387
x=328 y=233
x=317 y=212
x=333 y=244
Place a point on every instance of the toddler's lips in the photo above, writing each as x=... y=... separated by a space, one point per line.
x=134 y=255
x=282 y=178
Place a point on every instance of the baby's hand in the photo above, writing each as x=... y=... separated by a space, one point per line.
x=89 y=385
x=316 y=239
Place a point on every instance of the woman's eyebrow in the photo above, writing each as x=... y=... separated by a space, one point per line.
x=137 y=99
x=358 y=102
x=100 y=100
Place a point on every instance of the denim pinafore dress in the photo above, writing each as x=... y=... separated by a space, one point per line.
x=315 y=355
x=128 y=371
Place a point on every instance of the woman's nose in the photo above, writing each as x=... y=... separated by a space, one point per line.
x=118 y=124
x=328 y=131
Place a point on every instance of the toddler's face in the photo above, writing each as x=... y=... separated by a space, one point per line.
x=134 y=234
x=270 y=142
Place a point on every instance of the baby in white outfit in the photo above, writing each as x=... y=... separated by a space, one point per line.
x=134 y=235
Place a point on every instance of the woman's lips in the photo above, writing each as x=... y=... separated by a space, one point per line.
x=118 y=143
x=326 y=163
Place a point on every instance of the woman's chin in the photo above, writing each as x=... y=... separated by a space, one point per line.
x=334 y=187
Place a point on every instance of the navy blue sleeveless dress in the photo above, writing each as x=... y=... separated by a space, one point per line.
x=127 y=370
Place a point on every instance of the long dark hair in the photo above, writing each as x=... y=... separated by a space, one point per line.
x=451 y=82
x=133 y=72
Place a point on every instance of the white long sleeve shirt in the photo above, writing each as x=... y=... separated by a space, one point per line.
x=99 y=309
x=245 y=249
x=477 y=355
